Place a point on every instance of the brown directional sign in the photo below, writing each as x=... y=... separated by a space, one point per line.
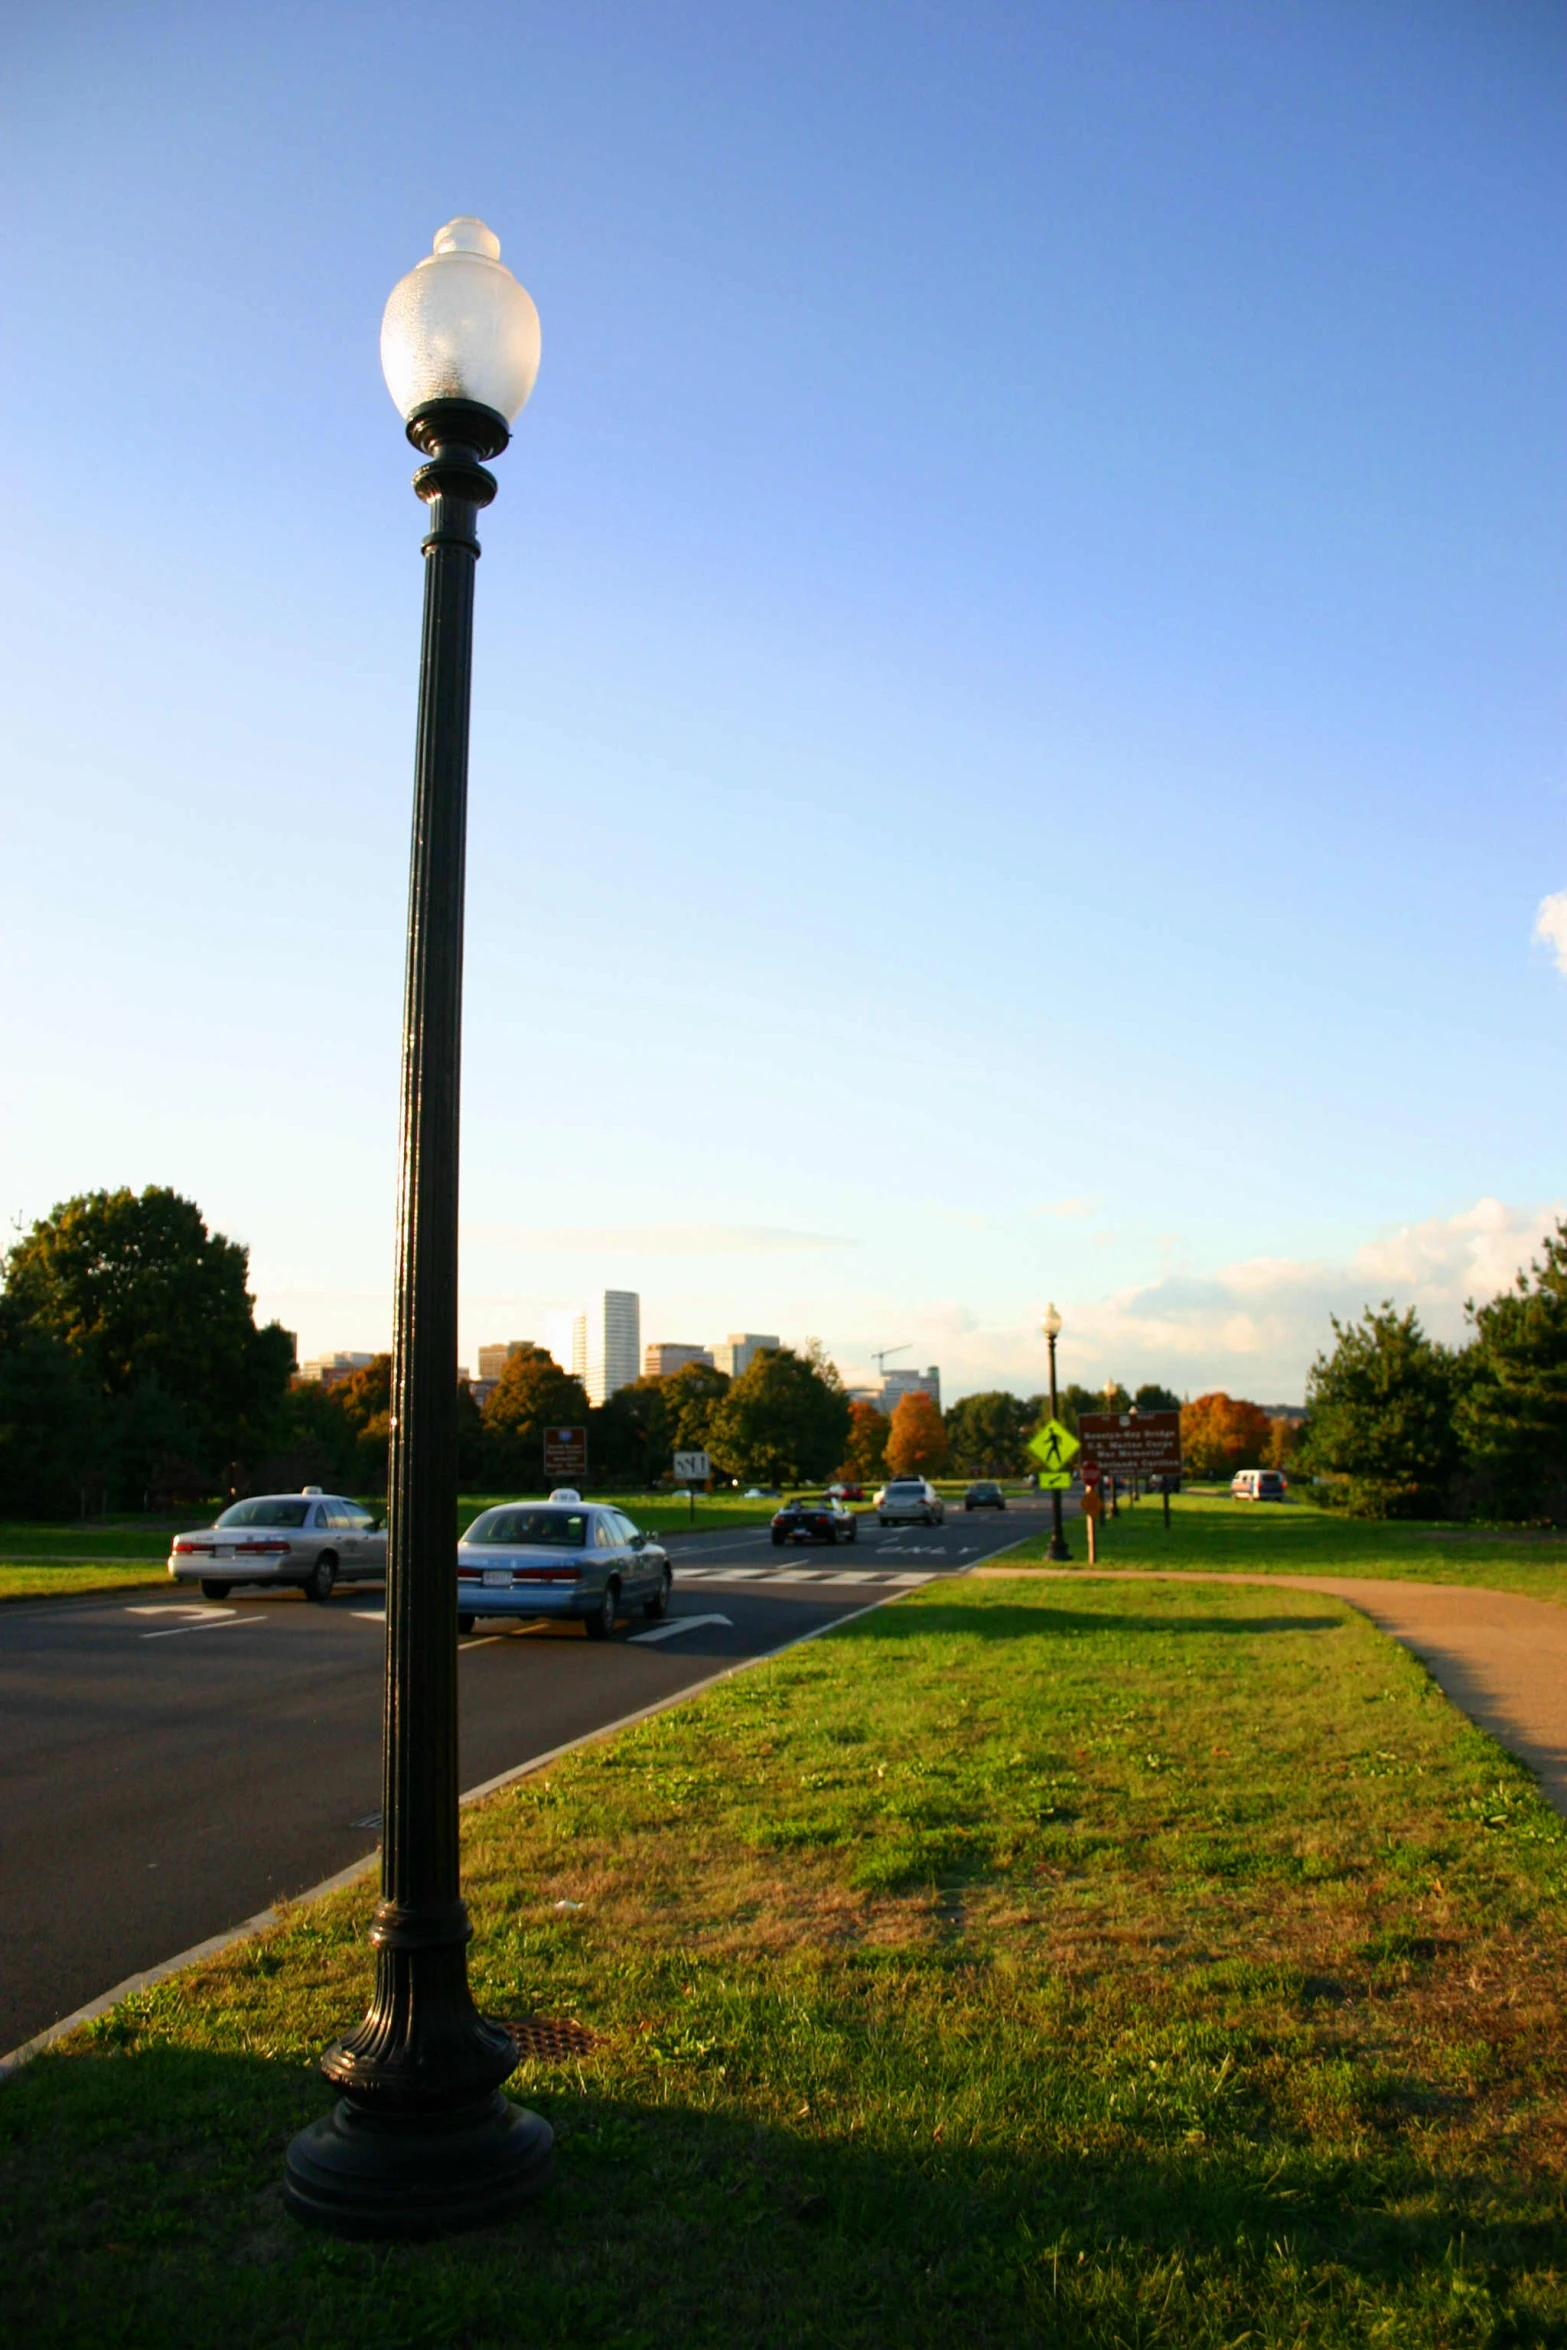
x=565 y=1452
x=1131 y=1444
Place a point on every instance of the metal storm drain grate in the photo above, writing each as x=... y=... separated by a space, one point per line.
x=550 y=2037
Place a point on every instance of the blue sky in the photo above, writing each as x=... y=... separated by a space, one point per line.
x=1017 y=746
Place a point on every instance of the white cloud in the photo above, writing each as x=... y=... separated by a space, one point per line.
x=1067 y=1207
x=1255 y=1326
x=1550 y=927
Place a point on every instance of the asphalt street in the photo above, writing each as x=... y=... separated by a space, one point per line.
x=168 y=1768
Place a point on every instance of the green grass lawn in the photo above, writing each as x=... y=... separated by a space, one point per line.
x=1018 y=1965
x=1295 y=1538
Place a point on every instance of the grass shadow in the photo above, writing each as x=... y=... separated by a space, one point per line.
x=143 y=2205
x=1043 y=1620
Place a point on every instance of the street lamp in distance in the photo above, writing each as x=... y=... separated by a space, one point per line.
x=421 y=2140
x=1057 y=1548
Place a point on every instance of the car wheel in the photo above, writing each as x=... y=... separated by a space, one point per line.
x=778 y=1542
x=212 y=1589
x=465 y=1625
x=881 y=1521
x=658 y=1606
x=853 y=1534
x=319 y=1582
x=601 y=1623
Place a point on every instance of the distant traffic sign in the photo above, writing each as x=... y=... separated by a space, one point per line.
x=565 y=1452
x=692 y=1468
x=1055 y=1448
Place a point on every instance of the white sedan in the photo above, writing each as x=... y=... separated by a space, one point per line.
x=905 y=1500
x=311 y=1539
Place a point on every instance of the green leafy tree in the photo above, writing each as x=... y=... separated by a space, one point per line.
x=692 y=1395
x=1380 y=1435
x=1075 y=1399
x=532 y=1393
x=987 y=1434
x=1153 y=1398
x=54 y=1439
x=916 y=1441
x=782 y=1422
x=629 y=1434
x=157 y=1311
x=1511 y=1413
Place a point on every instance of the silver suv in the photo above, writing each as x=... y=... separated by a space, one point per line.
x=910 y=1499
x=310 y=1539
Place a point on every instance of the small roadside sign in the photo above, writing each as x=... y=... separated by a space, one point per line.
x=1132 y=1444
x=1055 y=1448
x=692 y=1468
x=565 y=1452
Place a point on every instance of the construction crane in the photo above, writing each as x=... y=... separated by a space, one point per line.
x=880 y=1360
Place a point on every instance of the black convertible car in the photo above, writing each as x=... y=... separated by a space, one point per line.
x=809 y=1520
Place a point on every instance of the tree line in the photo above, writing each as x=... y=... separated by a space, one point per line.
x=132 y=1369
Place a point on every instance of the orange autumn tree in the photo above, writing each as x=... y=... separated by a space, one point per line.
x=1222 y=1433
x=866 y=1458
x=916 y=1441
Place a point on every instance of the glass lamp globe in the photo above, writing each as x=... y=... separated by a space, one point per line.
x=1052 y=1322
x=460 y=327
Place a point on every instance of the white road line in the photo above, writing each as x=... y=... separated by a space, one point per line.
x=675 y=1626
x=742 y=1574
x=368 y=1615
x=854 y=1575
x=222 y=1624
x=915 y=1578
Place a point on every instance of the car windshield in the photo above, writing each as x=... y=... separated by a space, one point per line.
x=266 y=1513
x=530 y=1529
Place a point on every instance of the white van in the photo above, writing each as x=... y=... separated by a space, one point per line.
x=1258 y=1485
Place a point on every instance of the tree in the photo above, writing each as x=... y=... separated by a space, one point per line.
x=1076 y=1399
x=1380 y=1434
x=865 y=1457
x=1153 y=1398
x=630 y=1434
x=1511 y=1415
x=782 y=1421
x=1283 y=1443
x=692 y=1393
x=532 y=1393
x=156 y=1310
x=987 y=1434
x=917 y=1441
x=1222 y=1433
x=53 y=1433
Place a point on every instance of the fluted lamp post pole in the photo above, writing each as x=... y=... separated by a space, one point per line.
x=421 y=2139
x=1057 y=1547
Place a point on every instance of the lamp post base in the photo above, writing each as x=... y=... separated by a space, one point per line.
x=1056 y=1549
x=361 y=2173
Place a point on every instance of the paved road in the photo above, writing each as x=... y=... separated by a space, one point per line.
x=167 y=1768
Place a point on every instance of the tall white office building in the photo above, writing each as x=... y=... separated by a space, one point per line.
x=606 y=1343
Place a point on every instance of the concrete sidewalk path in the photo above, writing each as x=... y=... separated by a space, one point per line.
x=1500 y=1657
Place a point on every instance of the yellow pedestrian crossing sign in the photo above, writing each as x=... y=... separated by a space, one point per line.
x=1055 y=1448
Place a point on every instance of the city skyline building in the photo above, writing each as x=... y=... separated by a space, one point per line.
x=494 y=1359
x=662 y=1358
x=895 y=1385
x=736 y=1353
x=606 y=1343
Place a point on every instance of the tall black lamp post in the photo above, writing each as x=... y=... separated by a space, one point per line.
x=421 y=2139
x=1057 y=1548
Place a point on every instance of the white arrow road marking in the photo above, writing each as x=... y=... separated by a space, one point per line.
x=213 y=1624
x=677 y=1625
x=368 y=1615
x=166 y=1608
